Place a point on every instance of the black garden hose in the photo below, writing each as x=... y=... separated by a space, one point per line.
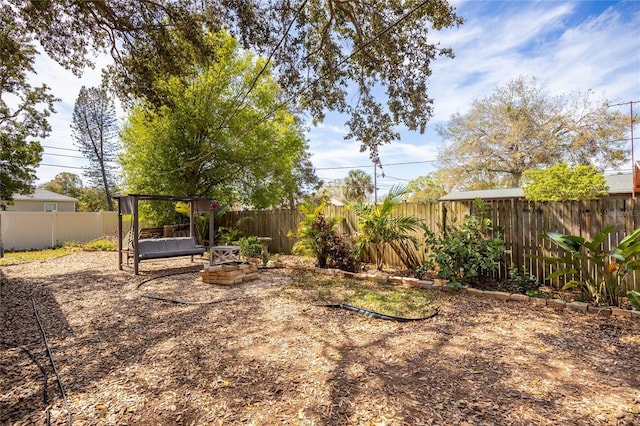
x=33 y=358
x=376 y=315
x=53 y=363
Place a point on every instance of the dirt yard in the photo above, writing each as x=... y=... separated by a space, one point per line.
x=261 y=354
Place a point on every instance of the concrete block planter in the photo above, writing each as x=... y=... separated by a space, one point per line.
x=475 y=292
x=379 y=279
x=604 y=311
x=500 y=295
x=557 y=303
x=413 y=282
x=425 y=284
x=519 y=297
x=578 y=306
x=624 y=313
x=394 y=280
x=538 y=301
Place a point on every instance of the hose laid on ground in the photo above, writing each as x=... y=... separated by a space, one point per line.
x=53 y=363
x=33 y=358
x=204 y=302
x=376 y=315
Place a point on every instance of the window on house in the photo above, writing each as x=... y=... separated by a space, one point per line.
x=50 y=207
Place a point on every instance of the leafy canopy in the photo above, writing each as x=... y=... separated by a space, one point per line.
x=357 y=186
x=24 y=110
x=327 y=52
x=604 y=276
x=561 y=182
x=521 y=127
x=90 y=199
x=426 y=188
x=203 y=145
x=380 y=227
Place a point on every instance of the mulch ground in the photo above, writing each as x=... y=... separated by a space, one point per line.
x=261 y=353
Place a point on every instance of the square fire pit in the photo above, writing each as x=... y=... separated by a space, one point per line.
x=229 y=273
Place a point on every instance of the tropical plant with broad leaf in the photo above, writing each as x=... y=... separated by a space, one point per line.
x=603 y=275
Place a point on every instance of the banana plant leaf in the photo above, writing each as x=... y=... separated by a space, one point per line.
x=562 y=272
x=572 y=284
x=634 y=298
x=630 y=240
x=568 y=242
x=597 y=241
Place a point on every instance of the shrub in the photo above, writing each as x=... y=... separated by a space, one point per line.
x=249 y=246
x=522 y=281
x=465 y=252
x=317 y=238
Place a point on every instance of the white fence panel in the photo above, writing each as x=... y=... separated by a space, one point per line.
x=39 y=230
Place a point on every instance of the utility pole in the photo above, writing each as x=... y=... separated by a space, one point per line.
x=375 y=183
x=633 y=158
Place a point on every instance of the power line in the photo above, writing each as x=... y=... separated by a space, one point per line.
x=322 y=75
x=623 y=103
x=64 y=155
x=62 y=149
x=62 y=167
x=383 y=165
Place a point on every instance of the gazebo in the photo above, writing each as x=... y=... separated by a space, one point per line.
x=128 y=205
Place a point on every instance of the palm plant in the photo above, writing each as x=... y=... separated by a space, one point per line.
x=380 y=228
x=357 y=186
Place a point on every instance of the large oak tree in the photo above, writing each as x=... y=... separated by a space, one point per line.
x=521 y=127
x=330 y=54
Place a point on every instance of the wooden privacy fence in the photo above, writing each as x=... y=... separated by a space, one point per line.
x=521 y=222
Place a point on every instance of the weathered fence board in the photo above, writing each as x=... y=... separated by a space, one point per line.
x=522 y=223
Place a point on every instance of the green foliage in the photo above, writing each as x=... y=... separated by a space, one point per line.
x=28 y=118
x=318 y=238
x=249 y=246
x=521 y=127
x=226 y=235
x=15 y=257
x=205 y=143
x=466 y=252
x=561 y=182
x=382 y=298
x=426 y=189
x=379 y=228
x=522 y=281
x=634 y=298
x=605 y=280
x=101 y=244
x=311 y=59
x=69 y=184
x=357 y=186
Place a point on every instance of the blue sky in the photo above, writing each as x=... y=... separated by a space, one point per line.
x=572 y=46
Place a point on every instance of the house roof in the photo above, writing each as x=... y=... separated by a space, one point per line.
x=620 y=183
x=44 y=195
